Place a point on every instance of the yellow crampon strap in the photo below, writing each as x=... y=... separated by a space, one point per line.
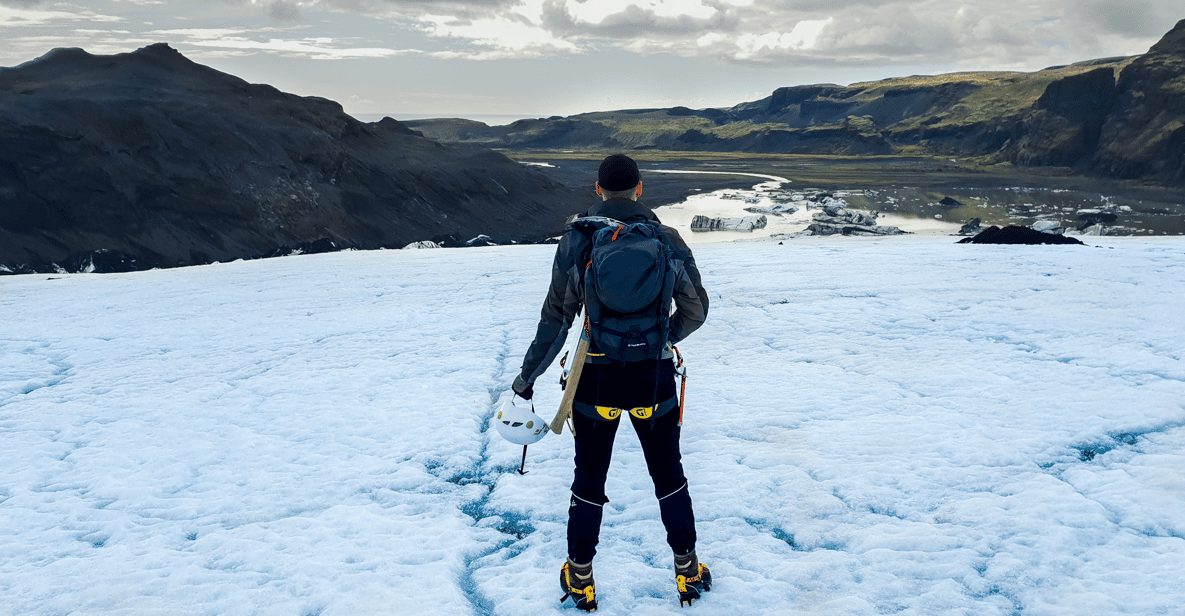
x=589 y=592
x=690 y=588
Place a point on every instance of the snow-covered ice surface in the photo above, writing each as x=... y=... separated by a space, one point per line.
x=873 y=426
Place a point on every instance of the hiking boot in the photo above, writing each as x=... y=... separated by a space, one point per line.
x=692 y=578
x=577 y=582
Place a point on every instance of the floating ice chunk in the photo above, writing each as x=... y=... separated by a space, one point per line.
x=746 y=223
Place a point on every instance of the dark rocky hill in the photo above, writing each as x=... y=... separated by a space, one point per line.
x=1115 y=117
x=1144 y=134
x=147 y=159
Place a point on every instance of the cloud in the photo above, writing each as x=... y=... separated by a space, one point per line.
x=598 y=11
x=802 y=32
x=820 y=34
x=663 y=23
x=284 y=11
x=511 y=35
x=19 y=13
x=236 y=41
x=317 y=49
x=803 y=37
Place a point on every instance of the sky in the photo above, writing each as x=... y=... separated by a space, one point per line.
x=538 y=58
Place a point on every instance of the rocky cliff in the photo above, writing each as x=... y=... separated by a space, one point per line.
x=1116 y=117
x=1144 y=134
x=147 y=159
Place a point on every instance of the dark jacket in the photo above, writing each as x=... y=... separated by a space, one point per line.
x=565 y=296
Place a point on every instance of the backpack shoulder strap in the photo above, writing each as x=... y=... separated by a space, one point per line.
x=591 y=224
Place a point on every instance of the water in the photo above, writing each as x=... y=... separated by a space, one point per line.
x=490 y=119
x=919 y=211
x=732 y=203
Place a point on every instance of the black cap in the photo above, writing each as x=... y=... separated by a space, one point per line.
x=618 y=172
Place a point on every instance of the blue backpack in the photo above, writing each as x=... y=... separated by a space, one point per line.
x=629 y=282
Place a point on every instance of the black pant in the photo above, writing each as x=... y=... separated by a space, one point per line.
x=594 y=448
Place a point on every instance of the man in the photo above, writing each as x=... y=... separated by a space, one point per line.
x=643 y=390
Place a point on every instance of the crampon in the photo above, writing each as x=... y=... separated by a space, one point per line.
x=691 y=587
x=577 y=583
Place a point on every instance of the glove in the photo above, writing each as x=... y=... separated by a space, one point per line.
x=523 y=389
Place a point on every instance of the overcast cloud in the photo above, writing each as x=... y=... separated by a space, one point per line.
x=989 y=32
x=733 y=47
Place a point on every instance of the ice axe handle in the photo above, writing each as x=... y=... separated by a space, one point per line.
x=565 y=410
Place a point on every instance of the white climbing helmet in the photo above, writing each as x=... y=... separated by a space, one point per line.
x=519 y=424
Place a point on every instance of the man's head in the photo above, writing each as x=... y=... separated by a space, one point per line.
x=618 y=178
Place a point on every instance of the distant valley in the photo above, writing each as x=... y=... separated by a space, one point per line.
x=1120 y=118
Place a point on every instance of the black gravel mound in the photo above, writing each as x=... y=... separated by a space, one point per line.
x=1013 y=234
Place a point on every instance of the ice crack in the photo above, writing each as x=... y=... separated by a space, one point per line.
x=1089 y=454
x=1113 y=440
x=776 y=532
x=31 y=369
x=513 y=527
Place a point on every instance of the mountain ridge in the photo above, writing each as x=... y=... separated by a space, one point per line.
x=1111 y=117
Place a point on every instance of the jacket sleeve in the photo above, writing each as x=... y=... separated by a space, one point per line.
x=683 y=254
x=691 y=309
x=691 y=300
x=559 y=310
